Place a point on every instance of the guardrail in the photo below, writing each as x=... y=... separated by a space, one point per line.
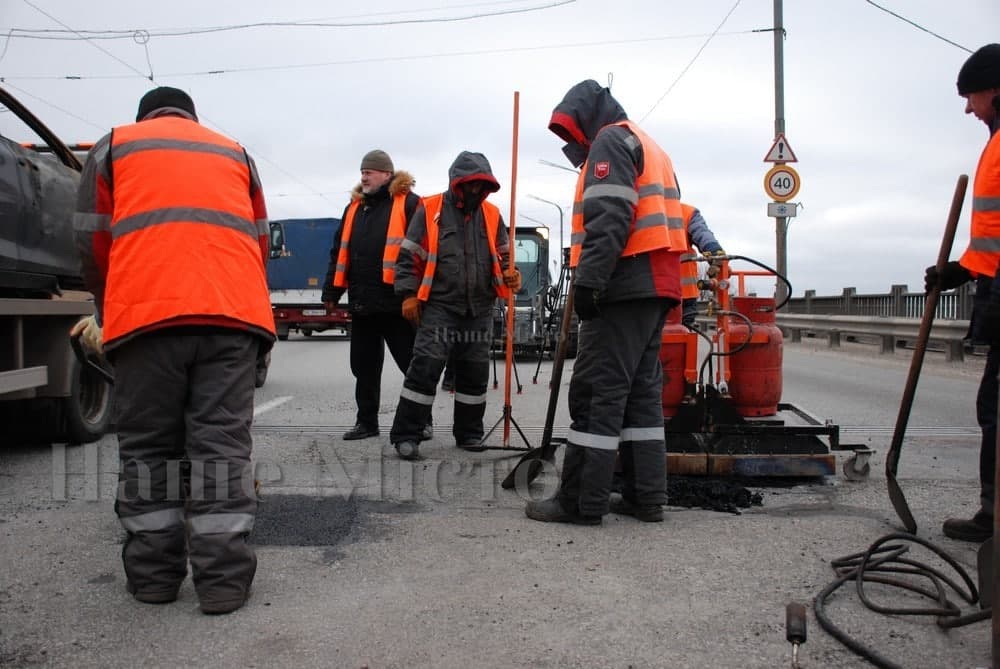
x=889 y=320
x=887 y=333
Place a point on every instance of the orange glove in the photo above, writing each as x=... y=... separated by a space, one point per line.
x=411 y=310
x=512 y=279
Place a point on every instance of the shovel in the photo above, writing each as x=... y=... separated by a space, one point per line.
x=547 y=450
x=892 y=459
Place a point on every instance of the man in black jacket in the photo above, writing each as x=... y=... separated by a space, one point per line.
x=362 y=262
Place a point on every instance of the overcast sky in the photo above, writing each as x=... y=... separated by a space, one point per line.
x=871 y=109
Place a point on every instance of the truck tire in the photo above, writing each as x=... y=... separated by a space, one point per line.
x=86 y=413
x=282 y=333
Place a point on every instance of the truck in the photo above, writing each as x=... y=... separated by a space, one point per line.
x=46 y=392
x=538 y=306
x=295 y=278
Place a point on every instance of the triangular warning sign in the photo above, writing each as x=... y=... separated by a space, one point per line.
x=780 y=151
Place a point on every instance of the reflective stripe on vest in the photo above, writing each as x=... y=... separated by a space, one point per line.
x=983 y=253
x=395 y=235
x=657 y=220
x=185 y=239
x=432 y=211
x=689 y=270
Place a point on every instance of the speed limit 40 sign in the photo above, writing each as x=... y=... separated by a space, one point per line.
x=781 y=183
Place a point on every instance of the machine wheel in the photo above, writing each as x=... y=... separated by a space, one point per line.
x=86 y=413
x=853 y=472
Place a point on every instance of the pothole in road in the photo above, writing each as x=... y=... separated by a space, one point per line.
x=306 y=520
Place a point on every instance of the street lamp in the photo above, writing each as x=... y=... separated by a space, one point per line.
x=540 y=199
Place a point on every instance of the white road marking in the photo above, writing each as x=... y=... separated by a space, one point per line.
x=270 y=404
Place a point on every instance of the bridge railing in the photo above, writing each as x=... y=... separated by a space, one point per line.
x=889 y=320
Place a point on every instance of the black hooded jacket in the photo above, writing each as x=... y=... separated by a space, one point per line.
x=584 y=120
x=463 y=279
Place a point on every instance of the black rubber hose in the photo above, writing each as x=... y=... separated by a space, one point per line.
x=880 y=559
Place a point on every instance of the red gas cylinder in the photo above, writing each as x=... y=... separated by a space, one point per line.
x=675 y=343
x=755 y=383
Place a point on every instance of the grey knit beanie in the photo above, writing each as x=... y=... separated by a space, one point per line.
x=377 y=159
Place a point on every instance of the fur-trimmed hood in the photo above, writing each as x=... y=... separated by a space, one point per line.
x=401 y=183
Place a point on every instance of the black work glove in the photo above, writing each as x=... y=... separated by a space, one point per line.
x=585 y=303
x=952 y=275
x=332 y=296
x=988 y=322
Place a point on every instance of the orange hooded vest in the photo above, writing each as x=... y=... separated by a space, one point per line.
x=657 y=222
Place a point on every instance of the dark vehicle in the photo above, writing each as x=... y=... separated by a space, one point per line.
x=295 y=276
x=46 y=393
x=538 y=305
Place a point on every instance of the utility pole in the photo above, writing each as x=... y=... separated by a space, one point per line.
x=780 y=222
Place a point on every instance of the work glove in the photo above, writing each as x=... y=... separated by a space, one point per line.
x=411 y=310
x=90 y=333
x=332 y=297
x=512 y=279
x=952 y=275
x=714 y=263
x=988 y=322
x=585 y=303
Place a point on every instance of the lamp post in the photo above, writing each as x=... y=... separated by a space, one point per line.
x=540 y=199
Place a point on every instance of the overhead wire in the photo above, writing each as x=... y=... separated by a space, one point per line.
x=389 y=59
x=691 y=62
x=150 y=78
x=918 y=26
x=116 y=34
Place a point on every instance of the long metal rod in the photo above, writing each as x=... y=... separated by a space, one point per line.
x=892 y=458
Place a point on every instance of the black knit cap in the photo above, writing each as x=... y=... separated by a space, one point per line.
x=165 y=96
x=981 y=71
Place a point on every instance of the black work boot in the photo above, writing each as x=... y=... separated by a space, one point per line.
x=977 y=529
x=551 y=511
x=360 y=431
x=647 y=513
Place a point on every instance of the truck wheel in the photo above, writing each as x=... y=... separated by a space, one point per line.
x=306 y=332
x=260 y=374
x=86 y=413
x=282 y=333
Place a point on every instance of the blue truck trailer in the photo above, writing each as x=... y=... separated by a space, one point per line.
x=295 y=279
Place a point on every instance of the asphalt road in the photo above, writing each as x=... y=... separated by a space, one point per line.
x=366 y=561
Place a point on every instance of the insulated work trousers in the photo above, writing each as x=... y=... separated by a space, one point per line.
x=615 y=404
x=467 y=340
x=370 y=334
x=185 y=483
x=987 y=400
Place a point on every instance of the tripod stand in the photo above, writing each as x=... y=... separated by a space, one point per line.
x=554 y=303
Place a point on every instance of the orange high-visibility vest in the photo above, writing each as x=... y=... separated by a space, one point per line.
x=432 y=211
x=393 y=240
x=689 y=270
x=657 y=222
x=983 y=253
x=185 y=244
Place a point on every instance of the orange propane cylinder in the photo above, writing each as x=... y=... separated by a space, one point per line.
x=755 y=382
x=678 y=353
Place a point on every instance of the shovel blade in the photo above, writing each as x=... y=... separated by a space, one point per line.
x=898 y=500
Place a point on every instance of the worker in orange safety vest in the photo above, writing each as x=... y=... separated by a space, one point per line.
x=173 y=233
